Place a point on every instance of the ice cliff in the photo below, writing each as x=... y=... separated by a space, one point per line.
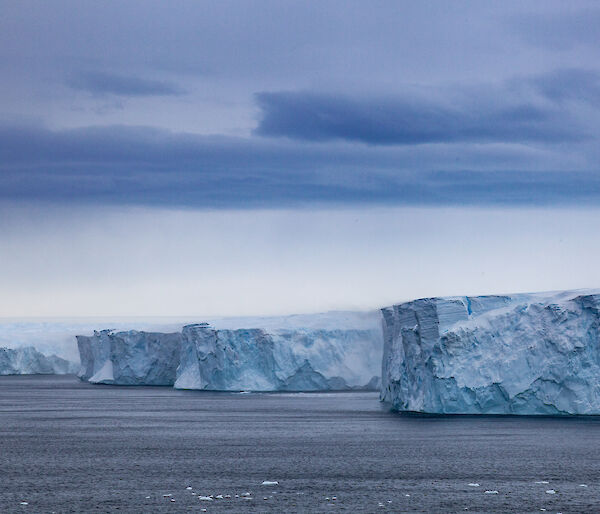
x=513 y=354
x=129 y=358
x=278 y=360
x=28 y=361
x=256 y=359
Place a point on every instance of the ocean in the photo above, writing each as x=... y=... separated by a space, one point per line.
x=68 y=446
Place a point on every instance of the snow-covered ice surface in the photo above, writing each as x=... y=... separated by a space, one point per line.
x=512 y=354
x=28 y=361
x=317 y=352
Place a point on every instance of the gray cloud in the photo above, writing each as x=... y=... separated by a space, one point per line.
x=101 y=83
x=570 y=84
x=144 y=166
x=472 y=116
x=426 y=93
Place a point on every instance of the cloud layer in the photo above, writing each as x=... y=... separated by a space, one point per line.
x=335 y=103
x=410 y=121
x=141 y=165
x=101 y=83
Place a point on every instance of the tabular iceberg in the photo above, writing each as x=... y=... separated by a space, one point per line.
x=278 y=360
x=515 y=354
x=28 y=361
x=202 y=357
x=129 y=358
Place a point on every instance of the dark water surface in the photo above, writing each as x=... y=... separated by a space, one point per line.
x=66 y=446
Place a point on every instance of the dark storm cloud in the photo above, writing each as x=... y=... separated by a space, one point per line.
x=101 y=83
x=397 y=102
x=407 y=121
x=144 y=166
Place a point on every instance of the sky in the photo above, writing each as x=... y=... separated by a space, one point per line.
x=267 y=157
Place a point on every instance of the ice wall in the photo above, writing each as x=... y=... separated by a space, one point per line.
x=256 y=359
x=278 y=360
x=129 y=358
x=512 y=354
x=28 y=361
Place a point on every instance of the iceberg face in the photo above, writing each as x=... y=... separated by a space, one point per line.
x=129 y=358
x=28 y=361
x=514 y=354
x=255 y=359
x=278 y=360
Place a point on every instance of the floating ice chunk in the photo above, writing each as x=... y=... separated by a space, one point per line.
x=167 y=495
x=246 y=494
x=202 y=510
x=582 y=485
x=205 y=498
x=381 y=504
x=550 y=491
x=188 y=488
x=219 y=497
x=269 y=482
x=24 y=503
x=490 y=492
x=147 y=497
x=407 y=495
x=473 y=484
x=542 y=482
